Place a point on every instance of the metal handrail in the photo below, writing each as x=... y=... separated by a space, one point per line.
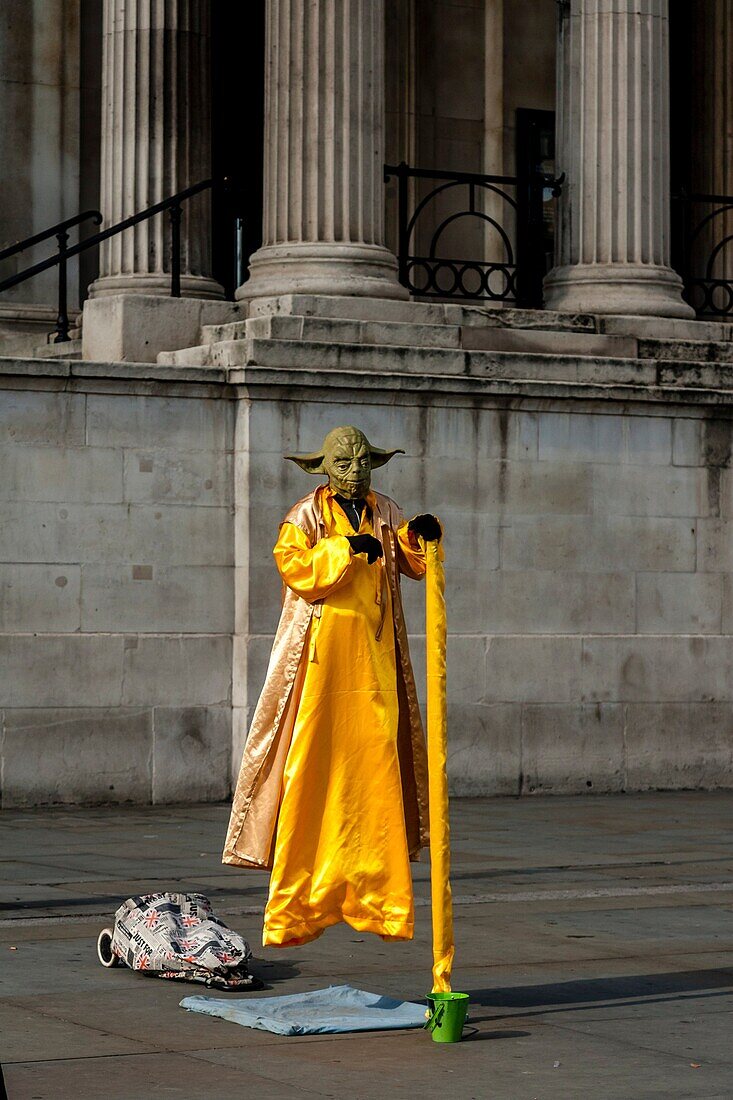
x=684 y=196
x=45 y=234
x=517 y=279
x=441 y=174
x=696 y=248
x=173 y=203
x=167 y=204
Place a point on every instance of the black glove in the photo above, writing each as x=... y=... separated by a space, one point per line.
x=427 y=527
x=366 y=544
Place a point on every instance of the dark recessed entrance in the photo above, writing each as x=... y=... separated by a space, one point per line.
x=237 y=104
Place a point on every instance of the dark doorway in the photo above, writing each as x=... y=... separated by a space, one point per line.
x=682 y=15
x=90 y=132
x=237 y=104
x=535 y=160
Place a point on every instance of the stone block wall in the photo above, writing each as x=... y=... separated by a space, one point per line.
x=589 y=575
x=116 y=594
x=588 y=580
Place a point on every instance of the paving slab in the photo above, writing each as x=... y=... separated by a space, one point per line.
x=511 y=1062
x=149 y=1075
x=699 y=1038
x=149 y=1010
x=30 y=1035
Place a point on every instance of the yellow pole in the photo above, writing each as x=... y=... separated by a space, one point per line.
x=442 y=902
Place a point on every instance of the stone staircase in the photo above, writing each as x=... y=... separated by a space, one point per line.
x=37 y=343
x=69 y=349
x=302 y=332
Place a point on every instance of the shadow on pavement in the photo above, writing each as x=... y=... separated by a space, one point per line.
x=476 y=1036
x=268 y=971
x=633 y=989
x=112 y=901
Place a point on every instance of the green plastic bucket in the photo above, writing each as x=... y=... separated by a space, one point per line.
x=447 y=1016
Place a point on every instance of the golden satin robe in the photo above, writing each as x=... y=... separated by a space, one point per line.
x=341 y=851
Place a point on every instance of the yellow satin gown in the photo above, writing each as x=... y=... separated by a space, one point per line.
x=341 y=849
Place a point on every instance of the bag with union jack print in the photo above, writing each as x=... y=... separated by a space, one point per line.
x=178 y=936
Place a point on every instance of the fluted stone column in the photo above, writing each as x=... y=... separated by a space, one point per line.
x=323 y=221
x=613 y=253
x=156 y=141
x=712 y=132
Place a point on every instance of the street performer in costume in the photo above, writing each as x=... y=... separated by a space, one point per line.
x=332 y=792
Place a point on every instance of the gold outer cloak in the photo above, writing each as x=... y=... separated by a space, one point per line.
x=252 y=825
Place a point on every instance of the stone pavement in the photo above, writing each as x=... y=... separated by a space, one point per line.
x=594 y=936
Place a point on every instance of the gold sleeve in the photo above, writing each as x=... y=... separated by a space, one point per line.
x=312 y=571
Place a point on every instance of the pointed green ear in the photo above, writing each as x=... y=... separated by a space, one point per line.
x=312 y=464
x=381 y=458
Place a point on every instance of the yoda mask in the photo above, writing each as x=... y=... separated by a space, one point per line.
x=348 y=458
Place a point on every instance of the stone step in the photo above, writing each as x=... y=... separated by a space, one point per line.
x=350 y=308
x=432 y=362
x=579 y=338
x=337 y=331
x=420 y=312
x=664 y=328
x=314 y=311
x=429 y=362
x=511 y=317
x=199 y=356
x=688 y=351
x=491 y=315
x=550 y=342
x=68 y=349
x=388 y=333
x=702 y=375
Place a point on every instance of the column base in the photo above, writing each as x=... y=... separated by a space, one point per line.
x=157 y=286
x=337 y=268
x=645 y=290
x=135 y=328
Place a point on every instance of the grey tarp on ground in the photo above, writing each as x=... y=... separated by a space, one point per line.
x=336 y=1009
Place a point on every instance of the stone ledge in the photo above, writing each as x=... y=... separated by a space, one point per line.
x=359 y=367
x=663 y=376
x=70 y=368
x=432 y=362
x=157 y=372
x=250 y=379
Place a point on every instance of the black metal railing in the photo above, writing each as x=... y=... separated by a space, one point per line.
x=703 y=251
x=61 y=232
x=517 y=235
x=173 y=205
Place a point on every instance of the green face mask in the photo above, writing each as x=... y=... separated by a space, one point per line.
x=348 y=458
x=348 y=463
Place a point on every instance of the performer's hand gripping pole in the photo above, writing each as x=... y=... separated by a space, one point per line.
x=442 y=903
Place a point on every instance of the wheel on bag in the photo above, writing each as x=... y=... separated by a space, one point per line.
x=105 y=954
